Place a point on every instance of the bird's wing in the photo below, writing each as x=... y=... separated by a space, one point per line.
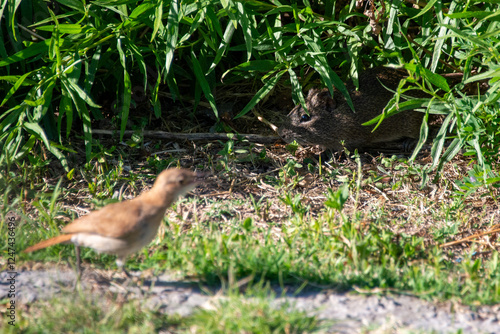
x=114 y=220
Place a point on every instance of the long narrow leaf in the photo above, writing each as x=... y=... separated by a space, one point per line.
x=91 y=69
x=37 y=130
x=200 y=76
x=228 y=34
x=82 y=94
x=246 y=28
x=261 y=93
x=25 y=54
x=14 y=88
x=172 y=32
x=158 y=17
x=84 y=115
x=65 y=109
x=27 y=147
x=438 y=48
x=63 y=28
x=429 y=5
x=13 y=5
x=75 y=4
x=127 y=89
x=297 y=95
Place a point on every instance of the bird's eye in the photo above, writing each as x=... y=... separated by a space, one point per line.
x=305 y=118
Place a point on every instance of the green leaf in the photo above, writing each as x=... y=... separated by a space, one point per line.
x=495 y=94
x=438 y=47
x=30 y=51
x=12 y=5
x=429 y=5
x=54 y=44
x=228 y=34
x=337 y=199
x=493 y=73
x=158 y=17
x=465 y=15
x=317 y=60
x=133 y=19
x=246 y=28
x=247 y=224
x=14 y=88
x=70 y=174
x=65 y=109
x=12 y=116
x=75 y=4
x=436 y=80
x=63 y=28
x=58 y=154
x=91 y=69
x=468 y=36
x=46 y=105
x=127 y=90
x=268 y=85
x=172 y=32
x=395 y=108
x=13 y=78
x=82 y=94
x=256 y=65
x=494 y=16
x=27 y=147
x=228 y=5
x=3 y=4
x=35 y=103
x=200 y=76
x=297 y=95
x=84 y=115
x=154 y=95
x=37 y=130
x=215 y=21
x=422 y=138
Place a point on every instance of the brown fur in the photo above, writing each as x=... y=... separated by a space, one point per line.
x=332 y=120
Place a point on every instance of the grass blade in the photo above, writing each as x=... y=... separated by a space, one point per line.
x=14 y=88
x=172 y=33
x=269 y=84
x=84 y=115
x=200 y=76
x=158 y=17
x=30 y=51
x=127 y=90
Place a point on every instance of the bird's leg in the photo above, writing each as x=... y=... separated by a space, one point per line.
x=78 y=267
x=121 y=265
x=78 y=261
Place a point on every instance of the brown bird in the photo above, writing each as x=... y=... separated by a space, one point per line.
x=124 y=228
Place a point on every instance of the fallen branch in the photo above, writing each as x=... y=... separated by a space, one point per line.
x=471 y=237
x=193 y=136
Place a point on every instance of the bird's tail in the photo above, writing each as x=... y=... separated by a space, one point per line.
x=49 y=242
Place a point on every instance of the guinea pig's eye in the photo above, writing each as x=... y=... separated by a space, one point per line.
x=305 y=118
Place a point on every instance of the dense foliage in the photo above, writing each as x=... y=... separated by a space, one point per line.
x=61 y=61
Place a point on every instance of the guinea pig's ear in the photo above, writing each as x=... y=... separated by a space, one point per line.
x=325 y=100
x=312 y=92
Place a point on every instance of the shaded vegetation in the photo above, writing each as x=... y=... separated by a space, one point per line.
x=62 y=61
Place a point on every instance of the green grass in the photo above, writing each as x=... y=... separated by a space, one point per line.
x=347 y=239
x=234 y=314
x=332 y=246
x=70 y=65
x=81 y=314
x=118 y=62
x=242 y=315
